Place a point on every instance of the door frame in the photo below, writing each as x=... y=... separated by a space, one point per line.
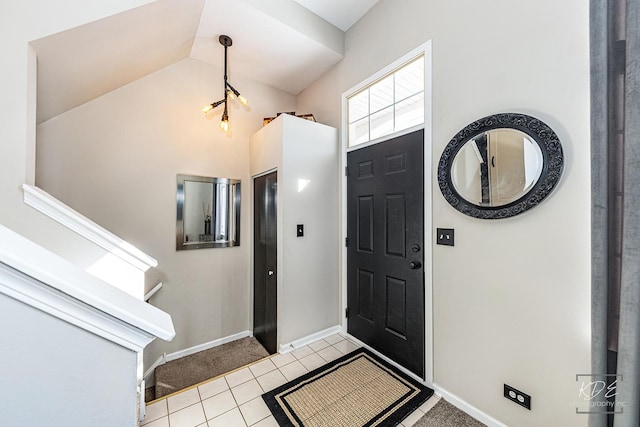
x=424 y=49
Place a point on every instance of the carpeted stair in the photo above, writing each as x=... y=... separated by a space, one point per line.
x=196 y=368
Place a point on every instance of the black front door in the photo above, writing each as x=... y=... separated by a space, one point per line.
x=265 y=261
x=385 y=228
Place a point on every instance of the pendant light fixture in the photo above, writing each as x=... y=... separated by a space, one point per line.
x=229 y=91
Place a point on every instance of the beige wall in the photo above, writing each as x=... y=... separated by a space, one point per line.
x=512 y=298
x=23 y=22
x=115 y=160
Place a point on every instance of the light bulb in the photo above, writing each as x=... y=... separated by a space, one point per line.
x=207 y=108
x=224 y=125
x=243 y=100
x=231 y=95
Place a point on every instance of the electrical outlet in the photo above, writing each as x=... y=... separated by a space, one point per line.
x=444 y=236
x=517 y=396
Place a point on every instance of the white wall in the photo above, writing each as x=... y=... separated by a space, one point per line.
x=80 y=379
x=512 y=298
x=306 y=157
x=115 y=160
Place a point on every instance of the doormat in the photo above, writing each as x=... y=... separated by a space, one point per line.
x=356 y=390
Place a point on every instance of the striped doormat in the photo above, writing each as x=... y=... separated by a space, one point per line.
x=356 y=390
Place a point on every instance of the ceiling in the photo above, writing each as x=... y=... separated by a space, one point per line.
x=286 y=44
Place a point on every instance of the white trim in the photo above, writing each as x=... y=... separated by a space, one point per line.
x=41 y=279
x=286 y=348
x=159 y=361
x=42 y=297
x=206 y=346
x=426 y=50
x=153 y=291
x=55 y=209
x=466 y=407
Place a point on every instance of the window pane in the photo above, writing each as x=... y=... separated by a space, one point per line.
x=410 y=112
x=358 y=106
x=410 y=79
x=381 y=94
x=359 y=132
x=382 y=123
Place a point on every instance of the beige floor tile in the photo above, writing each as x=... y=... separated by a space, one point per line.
x=293 y=370
x=318 y=345
x=283 y=359
x=233 y=418
x=155 y=411
x=329 y=353
x=212 y=388
x=239 y=377
x=182 y=400
x=218 y=404
x=334 y=339
x=255 y=410
x=190 y=416
x=161 y=422
x=313 y=361
x=262 y=368
x=302 y=352
x=247 y=391
x=345 y=346
x=267 y=422
x=271 y=380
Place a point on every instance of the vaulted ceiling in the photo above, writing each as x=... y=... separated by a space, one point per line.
x=286 y=44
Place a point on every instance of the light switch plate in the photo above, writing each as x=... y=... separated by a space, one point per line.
x=445 y=236
x=300 y=230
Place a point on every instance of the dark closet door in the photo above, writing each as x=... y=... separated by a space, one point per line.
x=265 y=261
x=385 y=277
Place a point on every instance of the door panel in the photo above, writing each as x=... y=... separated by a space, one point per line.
x=265 y=299
x=385 y=278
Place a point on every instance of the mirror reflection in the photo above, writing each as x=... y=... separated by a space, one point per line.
x=208 y=212
x=497 y=167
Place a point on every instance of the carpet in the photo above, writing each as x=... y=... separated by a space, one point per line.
x=356 y=390
x=196 y=368
x=444 y=414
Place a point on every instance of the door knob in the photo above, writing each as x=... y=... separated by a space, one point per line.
x=415 y=248
x=414 y=265
x=270 y=272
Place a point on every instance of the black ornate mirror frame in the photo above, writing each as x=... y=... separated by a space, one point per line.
x=543 y=135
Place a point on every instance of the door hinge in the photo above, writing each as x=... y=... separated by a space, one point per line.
x=346 y=312
x=346 y=242
x=346 y=171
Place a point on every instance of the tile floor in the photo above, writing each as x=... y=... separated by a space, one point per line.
x=235 y=399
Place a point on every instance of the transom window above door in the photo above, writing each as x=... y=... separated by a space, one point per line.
x=391 y=104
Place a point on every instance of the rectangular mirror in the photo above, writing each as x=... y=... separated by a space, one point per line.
x=208 y=212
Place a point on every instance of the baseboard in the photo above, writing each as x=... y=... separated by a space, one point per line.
x=286 y=348
x=466 y=407
x=192 y=350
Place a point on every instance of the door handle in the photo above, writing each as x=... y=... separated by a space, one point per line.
x=414 y=265
x=270 y=272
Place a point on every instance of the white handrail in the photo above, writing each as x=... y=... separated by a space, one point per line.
x=153 y=291
x=55 y=209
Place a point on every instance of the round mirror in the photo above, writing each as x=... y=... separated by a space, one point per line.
x=500 y=166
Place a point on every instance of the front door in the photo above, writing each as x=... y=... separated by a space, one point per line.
x=265 y=247
x=385 y=229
